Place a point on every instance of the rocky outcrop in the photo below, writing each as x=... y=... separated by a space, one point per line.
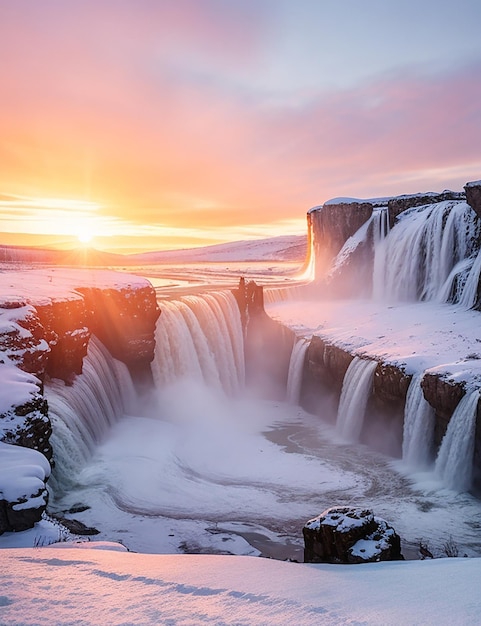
x=473 y=195
x=444 y=396
x=23 y=340
x=267 y=344
x=349 y=535
x=402 y=203
x=64 y=321
x=124 y=320
x=25 y=422
x=327 y=362
x=331 y=225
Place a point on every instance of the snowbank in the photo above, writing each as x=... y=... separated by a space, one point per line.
x=45 y=585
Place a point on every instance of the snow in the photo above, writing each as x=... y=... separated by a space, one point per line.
x=346 y=200
x=47 y=585
x=415 y=336
x=16 y=387
x=343 y=523
x=42 y=286
x=283 y=248
x=22 y=473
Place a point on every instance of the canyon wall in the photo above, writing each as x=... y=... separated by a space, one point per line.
x=46 y=320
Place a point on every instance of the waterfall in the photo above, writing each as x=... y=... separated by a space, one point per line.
x=418 y=255
x=469 y=295
x=381 y=226
x=82 y=414
x=272 y=295
x=454 y=463
x=356 y=389
x=296 y=367
x=201 y=338
x=418 y=428
x=360 y=238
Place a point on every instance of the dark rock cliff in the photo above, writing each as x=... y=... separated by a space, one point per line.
x=268 y=344
x=331 y=225
x=44 y=332
x=473 y=195
x=402 y=203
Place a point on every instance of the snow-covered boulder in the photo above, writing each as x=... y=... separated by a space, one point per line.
x=23 y=496
x=350 y=535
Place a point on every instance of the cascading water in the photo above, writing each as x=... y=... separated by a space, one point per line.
x=418 y=256
x=418 y=428
x=381 y=226
x=360 y=238
x=273 y=295
x=469 y=296
x=82 y=414
x=454 y=463
x=356 y=389
x=296 y=366
x=201 y=338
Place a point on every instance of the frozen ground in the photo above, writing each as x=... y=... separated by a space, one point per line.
x=68 y=586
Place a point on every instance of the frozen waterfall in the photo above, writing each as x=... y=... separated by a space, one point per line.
x=356 y=389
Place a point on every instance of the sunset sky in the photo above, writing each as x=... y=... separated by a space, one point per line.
x=154 y=124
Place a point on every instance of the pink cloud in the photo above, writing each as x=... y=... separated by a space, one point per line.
x=139 y=108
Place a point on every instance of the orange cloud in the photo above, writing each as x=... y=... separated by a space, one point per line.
x=147 y=111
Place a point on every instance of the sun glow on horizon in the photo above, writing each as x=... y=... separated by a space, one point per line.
x=63 y=222
x=85 y=237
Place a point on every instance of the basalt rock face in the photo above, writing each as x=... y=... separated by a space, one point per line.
x=23 y=360
x=473 y=195
x=267 y=343
x=22 y=337
x=402 y=203
x=124 y=321
x=67 y=334
x=28 y=425
x=349 y=535
x=444 y=397
x=331 y=225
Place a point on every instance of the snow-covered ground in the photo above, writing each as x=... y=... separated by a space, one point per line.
x=51 y=586
x=417 y=336
x=286 y=248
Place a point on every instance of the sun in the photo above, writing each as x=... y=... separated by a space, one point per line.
x=85 y=238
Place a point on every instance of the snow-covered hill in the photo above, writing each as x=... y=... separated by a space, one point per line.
x=286 y=248
x=291 y=248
